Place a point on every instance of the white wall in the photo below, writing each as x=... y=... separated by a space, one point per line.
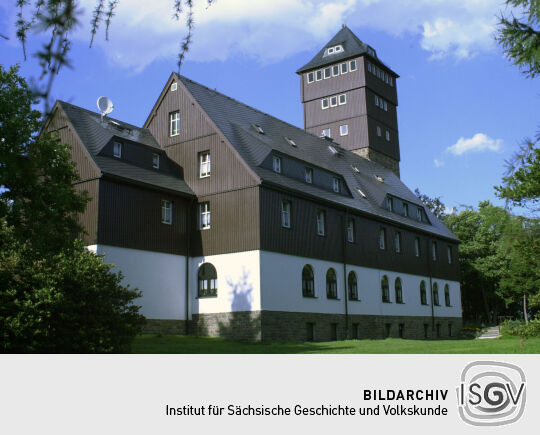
x=238 y=286
x=281 y=278
x=160 y=277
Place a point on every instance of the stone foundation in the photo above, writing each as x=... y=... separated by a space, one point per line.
x=271 y=326
x=165 y=326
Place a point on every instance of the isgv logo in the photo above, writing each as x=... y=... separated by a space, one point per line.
x=491 y=393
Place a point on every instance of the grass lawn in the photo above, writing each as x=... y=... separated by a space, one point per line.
x=149 y=343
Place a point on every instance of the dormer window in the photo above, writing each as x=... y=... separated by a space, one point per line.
x=406 y=210
x=336 y=185
x=155 y=161
x=309 y=175
x=276 y=164
x=371 y=52
x=333 y=50
x=390 y=204
x=117 y=150
x=419 y=214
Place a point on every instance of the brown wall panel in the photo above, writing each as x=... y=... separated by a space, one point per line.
x=358 y=132
x=302 y=239
x=89 y=218
x=316 y=115
x=130 y=217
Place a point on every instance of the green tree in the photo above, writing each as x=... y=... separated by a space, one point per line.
x=55 y=296
x=520 y=37
x=435 y=205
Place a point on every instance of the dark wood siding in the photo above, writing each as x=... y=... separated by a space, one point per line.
x=356 y=106
x=302 y=239
x=130 y=217
x=234 y=223
x=89 y=219
x=380 y=87
x=358 y=132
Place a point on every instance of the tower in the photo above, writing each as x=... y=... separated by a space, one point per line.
x=350 y=95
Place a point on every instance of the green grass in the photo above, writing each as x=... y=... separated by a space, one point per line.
x=190 y=344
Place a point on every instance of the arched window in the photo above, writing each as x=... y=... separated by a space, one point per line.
x=385 y=289
x=423 y=295
x=435 y=292
x=399 y=291
x=353 y=286
x=308 y=286
x=447 y=295
x=207 y=280
x=331 y=284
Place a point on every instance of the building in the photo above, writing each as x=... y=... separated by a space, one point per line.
x=234 y=223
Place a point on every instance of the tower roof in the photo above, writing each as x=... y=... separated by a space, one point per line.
x=352 y=47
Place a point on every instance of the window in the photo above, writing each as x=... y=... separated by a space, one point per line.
x=276 y=164
x=399 y=291
x=417 y=246
x=324 y=103
x=387 y=135
x=331 y=284
x=352 y=65
x=376 y=100
x=327 y=73
x=378 y=131
x=385 y=289
x=335 y=70
x=155 y=161
x=207 y=281
x=382 y=238
x=419 y=214
x=336 y=185
x=204 y=164
x=397 y=242
x=174 y=87
x=401 y=329
x=449 y=254
x=390 y=204
x=320 y=222
x=344 y=68
x=344 y=130
x=308 y=285
x=369 y=67
x=435 y=292
x=434 y=251
x=166 y=212
x=318 y=75
x=174 y=123
x=350 y=230
x=385 y=108
x=326 y=132
x=285 y=214
x=310 y=77
x=117 y=149
x=423 y=295
x=204 y=213
x=447 y=295
x=330 y=50
x=352 y=285
x=405 y=210
x=333 y=101
x=309 y=175
x=391 y=81
x=342 y=99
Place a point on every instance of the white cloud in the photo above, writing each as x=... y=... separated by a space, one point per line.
x=479 y=142
x=438 y=163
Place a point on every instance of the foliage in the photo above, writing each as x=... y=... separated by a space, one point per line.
x=435 y=205
x=520 y=37
x=521 y=186
x=55 y=296
x=66 y=302
x=36 y=174
x=57 y=19
x=521 y=329
x=511 y=327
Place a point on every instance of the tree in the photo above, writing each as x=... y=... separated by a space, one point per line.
x=55 y=296
x=520 y=37
x=435 y=205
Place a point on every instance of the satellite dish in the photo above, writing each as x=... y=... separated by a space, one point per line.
x=105 y=106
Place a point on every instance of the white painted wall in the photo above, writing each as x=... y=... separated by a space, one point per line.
x=161 y=278
x=238 y=286
x=281 y=278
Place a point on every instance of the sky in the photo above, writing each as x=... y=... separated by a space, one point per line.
x=463 y=108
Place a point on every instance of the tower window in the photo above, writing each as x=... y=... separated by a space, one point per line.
x=330 y=50
x=324 y=103
x=387 y=135
x=369 y=67
x=344 y=130
x=318 y=75
x=310 y=77
x=344 y=68
x=327 y=73
x=385 y=107
x=391 y=81
x=333 y=101
x=326 y=132
x=335 y=70
x=376 y=100
x=352 y=65
x=342 y=99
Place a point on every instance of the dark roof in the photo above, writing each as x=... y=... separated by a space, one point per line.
x=95 y=134
x=235 y=120
x=352 y=46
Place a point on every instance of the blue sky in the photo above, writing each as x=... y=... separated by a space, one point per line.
x=462 y=107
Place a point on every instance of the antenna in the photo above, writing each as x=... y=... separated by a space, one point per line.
x=105 y=106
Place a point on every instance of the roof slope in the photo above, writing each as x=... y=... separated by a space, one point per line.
x=95 y=135
x=235 y=121
x=352 y=47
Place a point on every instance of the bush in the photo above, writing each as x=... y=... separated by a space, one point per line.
x=62 y=303
x=470 y=331
x=521 y=329
x=511 y=327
